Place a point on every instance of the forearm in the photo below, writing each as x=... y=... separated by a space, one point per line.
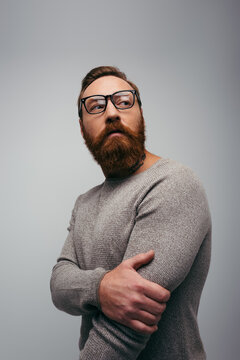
x=74 y=290
x=110 y=340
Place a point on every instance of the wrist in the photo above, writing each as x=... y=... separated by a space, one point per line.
x=99 y=290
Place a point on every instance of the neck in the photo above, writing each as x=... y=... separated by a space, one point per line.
x=121 y=173
x=146 y=163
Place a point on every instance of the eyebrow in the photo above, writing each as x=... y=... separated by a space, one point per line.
x=84 y=97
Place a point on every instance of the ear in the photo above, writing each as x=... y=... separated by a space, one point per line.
x=141 y=110
x=81 y=126
x=143 y=120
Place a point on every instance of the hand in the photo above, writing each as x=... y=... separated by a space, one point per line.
x=128 y=298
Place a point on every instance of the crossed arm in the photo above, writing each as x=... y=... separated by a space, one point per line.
x=175 y=224
x=128 y=298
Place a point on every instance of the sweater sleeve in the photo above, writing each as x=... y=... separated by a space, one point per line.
x=73 y=289
x=172 y=219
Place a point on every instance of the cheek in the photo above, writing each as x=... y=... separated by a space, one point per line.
x=87 y=124
x=135 y=120
x=92 y=128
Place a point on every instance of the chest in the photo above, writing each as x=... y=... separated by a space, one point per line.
x=103 y=226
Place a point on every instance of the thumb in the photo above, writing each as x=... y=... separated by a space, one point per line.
x=140 y=259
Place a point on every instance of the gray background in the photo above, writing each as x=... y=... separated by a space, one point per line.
x=184 y=56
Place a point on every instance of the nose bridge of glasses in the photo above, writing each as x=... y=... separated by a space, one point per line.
x=107 y=97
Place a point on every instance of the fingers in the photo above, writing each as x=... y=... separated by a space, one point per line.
x=150 y=289
x=147 y=311
x=155 y=291
x=141 y=327
x=153 y=307
x=148 y=318
x=140 y=259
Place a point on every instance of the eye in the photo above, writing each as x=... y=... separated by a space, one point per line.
x=123 y=100
x=95 y=104
x=96 y=107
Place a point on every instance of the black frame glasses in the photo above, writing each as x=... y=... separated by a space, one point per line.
x=106 y=97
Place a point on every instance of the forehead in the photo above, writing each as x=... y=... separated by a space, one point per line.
x=106 y=85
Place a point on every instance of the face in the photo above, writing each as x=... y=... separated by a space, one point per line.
x=119 y=150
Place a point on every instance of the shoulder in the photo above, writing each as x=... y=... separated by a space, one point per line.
x=176 y=176
x=183 y=176
x=176 y=188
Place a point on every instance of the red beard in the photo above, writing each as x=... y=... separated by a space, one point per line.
x=117 y=154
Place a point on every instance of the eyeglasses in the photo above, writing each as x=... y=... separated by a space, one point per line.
x=96 y=104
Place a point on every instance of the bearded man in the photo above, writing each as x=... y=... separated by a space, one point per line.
x=141 y=234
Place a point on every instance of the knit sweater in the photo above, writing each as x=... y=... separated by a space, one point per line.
x=163 y=208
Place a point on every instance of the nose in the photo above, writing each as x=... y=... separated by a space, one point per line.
x=111 y=112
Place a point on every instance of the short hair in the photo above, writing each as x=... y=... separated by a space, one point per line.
x=101 y=71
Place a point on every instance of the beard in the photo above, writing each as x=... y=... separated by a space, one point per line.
x=117 y=154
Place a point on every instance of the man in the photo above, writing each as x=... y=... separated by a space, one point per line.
x=141 y=234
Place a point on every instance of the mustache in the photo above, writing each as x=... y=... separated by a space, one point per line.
x=115 y=127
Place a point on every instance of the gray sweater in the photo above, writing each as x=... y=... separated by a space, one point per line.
x=163 y=208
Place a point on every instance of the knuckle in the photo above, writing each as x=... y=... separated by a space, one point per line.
x=143 y=328
x=152 y=329
x=138 y=287
x=155 y=319
x=163 y=307
x=148 y=330
x=166 y=296
x=121 y=317
x=150 y=320
x=123 y=264
x=135 y=300
x=128 y=312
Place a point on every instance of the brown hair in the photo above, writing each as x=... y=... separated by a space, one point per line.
x=100 y=71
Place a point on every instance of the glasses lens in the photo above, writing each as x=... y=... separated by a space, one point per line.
x=95 y=104
x=123 y=99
